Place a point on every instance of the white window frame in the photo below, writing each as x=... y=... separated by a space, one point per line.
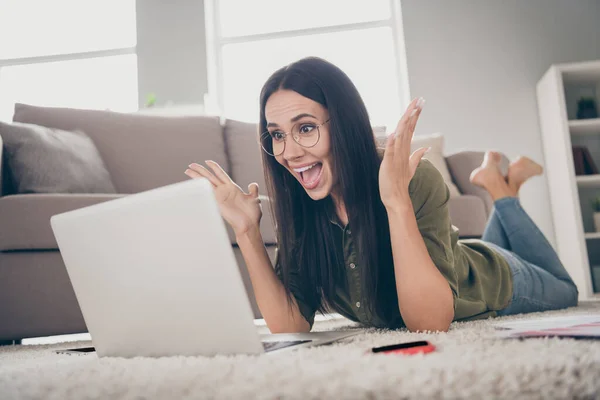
x=67 y=57
x=215 y=42
x=86 y=55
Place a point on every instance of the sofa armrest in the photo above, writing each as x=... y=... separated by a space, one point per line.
x=469 y=215
x=461 y=165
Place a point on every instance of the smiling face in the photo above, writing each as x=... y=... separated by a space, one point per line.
x=311 y=166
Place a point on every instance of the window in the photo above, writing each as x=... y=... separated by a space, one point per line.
x=363 y=38
x=68 y=53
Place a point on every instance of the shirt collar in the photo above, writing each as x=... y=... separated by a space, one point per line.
x=332 y=216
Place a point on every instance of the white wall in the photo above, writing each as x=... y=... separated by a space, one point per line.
x=171 y=51
x=477 y=63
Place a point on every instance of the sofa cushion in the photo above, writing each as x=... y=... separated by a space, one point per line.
x=37 y=297
x=267 y=226
x=435 y=155
x=26 y=218
x=6 y=184
x=462 y=164
x=141 y=152
x=49 y=160
x=468 y=214
x=244 y=153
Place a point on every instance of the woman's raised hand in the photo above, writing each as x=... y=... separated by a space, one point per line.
x=241 y=210
x=399 y=165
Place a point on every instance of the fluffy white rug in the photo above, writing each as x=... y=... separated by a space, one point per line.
x=469 y=363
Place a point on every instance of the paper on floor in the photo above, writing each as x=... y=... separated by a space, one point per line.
x=567 y=326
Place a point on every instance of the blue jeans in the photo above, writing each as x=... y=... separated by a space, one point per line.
x=540 y=281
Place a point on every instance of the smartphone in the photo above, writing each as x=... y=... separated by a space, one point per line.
x=418 y=347
x=81 y=350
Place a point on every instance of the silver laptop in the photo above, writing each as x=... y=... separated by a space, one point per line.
x=155 y=275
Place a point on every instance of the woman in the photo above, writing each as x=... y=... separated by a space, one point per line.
x=367 y=234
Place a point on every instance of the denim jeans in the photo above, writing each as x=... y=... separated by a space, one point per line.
x=540 y=281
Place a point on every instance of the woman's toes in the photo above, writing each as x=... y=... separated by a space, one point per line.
x=492 y=157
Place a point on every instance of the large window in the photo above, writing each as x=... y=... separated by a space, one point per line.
x=68 y=53
x=363 y=38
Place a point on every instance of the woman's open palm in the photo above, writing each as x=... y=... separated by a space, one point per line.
x=241 y=210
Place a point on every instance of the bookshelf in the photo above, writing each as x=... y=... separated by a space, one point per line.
x=585 y=126
x=577 y=242
x=588 y=181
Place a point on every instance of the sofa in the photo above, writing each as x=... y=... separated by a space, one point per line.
x=141 y=152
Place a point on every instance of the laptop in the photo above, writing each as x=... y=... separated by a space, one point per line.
x=155 y=275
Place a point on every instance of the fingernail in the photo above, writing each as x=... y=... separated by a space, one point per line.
x=413 y=112
x=427 y=151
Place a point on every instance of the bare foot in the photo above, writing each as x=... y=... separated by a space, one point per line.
x=489 y=168
x=489 y=177
x=521 y=170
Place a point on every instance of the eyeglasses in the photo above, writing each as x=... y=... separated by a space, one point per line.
x=306 y=134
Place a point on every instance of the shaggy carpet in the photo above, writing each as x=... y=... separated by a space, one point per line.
x=470 y=362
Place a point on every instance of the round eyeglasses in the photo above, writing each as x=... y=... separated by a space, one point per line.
x=306 y=134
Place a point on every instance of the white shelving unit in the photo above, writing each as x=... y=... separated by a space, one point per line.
x=570 y=195
x=588 y=181
x=585 y=126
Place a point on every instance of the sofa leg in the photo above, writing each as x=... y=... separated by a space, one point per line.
x=10 y=342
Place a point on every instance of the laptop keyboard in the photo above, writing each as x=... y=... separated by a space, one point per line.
x=270 y=346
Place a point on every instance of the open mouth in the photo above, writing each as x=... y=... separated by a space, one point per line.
x=310 y=175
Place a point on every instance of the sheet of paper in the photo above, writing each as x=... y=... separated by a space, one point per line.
x=549 y=322
x=570 y=326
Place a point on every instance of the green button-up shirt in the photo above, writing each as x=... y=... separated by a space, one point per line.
x=479 y=277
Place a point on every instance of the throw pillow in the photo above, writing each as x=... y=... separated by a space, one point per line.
x=46 y=160
x=435 y=155
x=141 y=152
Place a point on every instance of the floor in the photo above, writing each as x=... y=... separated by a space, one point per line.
x=470 y=362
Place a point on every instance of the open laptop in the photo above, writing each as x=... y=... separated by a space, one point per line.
x=155 y=275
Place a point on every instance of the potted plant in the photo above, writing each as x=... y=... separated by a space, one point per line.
x=596 y=208
x=150 y=100
x=586 y=108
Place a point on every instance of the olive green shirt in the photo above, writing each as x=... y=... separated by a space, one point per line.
x=479 y=277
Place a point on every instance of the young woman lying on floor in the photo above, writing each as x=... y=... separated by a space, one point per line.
x=366 y=232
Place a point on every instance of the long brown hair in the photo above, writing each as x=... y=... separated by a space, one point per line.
x=305 y=236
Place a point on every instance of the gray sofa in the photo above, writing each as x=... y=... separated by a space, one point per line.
x=141 y=152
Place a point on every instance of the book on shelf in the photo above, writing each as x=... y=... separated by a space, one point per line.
x=584 y=164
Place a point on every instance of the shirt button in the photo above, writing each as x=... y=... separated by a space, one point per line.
x=358 y=304
x=352 y=265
